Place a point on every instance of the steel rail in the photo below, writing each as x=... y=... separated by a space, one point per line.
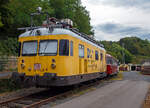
x=45 y=101
x=3 y=103
x=50 y=99
x=8 y=101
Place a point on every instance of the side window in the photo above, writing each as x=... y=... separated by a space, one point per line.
x=101 y=56
x=71 y=48
x=111 y=62
x=81 y=51
x=64 y=47
x=96 y=55
x=114 y=62
x=88 y=53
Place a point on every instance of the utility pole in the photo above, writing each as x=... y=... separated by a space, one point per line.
x=123 y=53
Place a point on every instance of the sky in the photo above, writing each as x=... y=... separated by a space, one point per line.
x=116 y=19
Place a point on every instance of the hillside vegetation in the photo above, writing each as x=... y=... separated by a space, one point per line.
x=134 y=50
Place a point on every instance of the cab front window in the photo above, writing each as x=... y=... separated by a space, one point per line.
x=48 y=47
x=29 y=48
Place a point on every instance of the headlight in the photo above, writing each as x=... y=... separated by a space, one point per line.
x=29 y=69
x=53 y=66
x=22 y=66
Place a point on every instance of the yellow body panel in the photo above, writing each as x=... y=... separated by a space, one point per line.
x=65 y=65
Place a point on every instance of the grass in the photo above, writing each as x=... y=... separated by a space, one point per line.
x=79 y=92
x=118 y=77
x=7 y=85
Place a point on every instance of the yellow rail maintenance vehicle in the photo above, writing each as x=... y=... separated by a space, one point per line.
x=55 y=54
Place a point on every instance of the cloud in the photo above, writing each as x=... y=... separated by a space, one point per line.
x=99 y=35
x=117 y=28
x=145 y=4
x=115 y=19
x=115 y=31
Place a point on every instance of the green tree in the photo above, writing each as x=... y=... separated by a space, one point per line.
x=2 y=9
x=136 y=46
x=16 y=13
x=75 y=11
x=9 y=46
x=117 y=51
x=1 y=24
x=82 y=20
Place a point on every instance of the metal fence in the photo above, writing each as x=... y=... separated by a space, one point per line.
x=8 y=63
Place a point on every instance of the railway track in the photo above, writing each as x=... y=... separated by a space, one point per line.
x=33 y=100
x=38 y=99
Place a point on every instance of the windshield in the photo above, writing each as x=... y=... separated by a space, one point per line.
x=29 y=48
x=48 y=47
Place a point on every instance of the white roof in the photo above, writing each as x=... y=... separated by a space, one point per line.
x=57 y=31
x=146 y=64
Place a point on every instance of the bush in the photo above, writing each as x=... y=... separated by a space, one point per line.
x=7 y=85
x=9 y=47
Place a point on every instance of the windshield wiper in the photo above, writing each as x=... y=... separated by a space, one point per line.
x=45 y=48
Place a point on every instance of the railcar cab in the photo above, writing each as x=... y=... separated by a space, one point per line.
x=46 y=54
x=112 y=65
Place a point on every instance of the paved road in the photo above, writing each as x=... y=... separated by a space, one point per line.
x=128 y=93
x=135 y=76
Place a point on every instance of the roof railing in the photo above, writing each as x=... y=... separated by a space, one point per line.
x=52 y=23
x=87 y=37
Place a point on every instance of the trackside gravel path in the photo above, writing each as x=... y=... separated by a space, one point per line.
x=127 y=93
x=5 y=74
